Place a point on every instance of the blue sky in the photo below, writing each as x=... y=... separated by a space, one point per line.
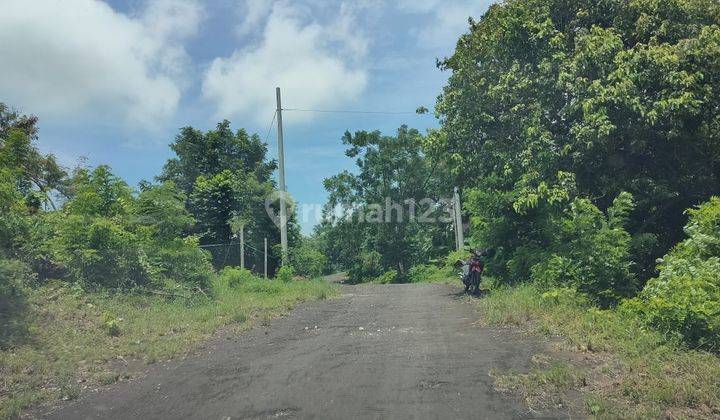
x=114 y=81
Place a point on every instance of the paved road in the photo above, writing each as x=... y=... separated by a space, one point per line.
x=379 y=351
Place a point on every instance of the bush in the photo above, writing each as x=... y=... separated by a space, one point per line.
x=684 y=300
x=367 y=266
x=285 y=273
x=99 y=252
x=234 y=277
x=591 y=252
x=180 y=260
x=14 y=275
x=387 y=277
x=425 y=273
x=308 y=261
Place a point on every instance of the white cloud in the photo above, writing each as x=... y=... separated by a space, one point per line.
x=449 y=20
x=315 y=64
x=252 y=13
x=172 y=19
x=80 y=59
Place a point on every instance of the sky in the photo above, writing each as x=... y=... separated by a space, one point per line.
x=113 y=81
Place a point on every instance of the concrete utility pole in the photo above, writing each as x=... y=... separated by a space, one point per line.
x=281 y=162
x=458 y=220
x=265 y=257
x=242 y=246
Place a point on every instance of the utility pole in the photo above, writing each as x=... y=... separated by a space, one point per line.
x=458 y=220
x=242 y=246
x=281 y=162
x=265 y=257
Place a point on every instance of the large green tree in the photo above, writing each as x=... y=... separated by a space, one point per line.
x=226 y=177
x=393 y=174
x=551 y=99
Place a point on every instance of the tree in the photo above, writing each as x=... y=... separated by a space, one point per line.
x=614 y=95
x=38 y=177
x=225 y=175
x=379 y=234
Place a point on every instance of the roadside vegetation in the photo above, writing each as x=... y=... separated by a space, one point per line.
x=96 y=276
x=74 y=340
x=621 y=368
x=584 y=139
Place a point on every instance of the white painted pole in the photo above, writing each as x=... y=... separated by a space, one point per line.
x=265 y=257
x=242 y=246
x=458 y=219
x=281 y=163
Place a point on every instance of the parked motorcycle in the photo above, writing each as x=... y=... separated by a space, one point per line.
x=472 y=270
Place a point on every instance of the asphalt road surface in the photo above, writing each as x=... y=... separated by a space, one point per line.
x=378 y=351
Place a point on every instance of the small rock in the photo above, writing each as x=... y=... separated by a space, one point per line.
x=361 y=328
x=307 y=328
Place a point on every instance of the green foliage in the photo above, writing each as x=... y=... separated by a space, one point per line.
x=367 y=266
x=652 y=375
x=111 y=326
x=286 y=273
x=100 y=252
x=234 y=277
x=428 y=273
x=15 y=276
x=394 y=174
x=307 y=260
x=549 y=100
x=225 y=177
x=446 y=270
x=179 y=261
x=161 y=210
x=590 y=252
x=387 y=277
x=684 y=300
x=99 y=193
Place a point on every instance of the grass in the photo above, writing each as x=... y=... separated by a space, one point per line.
x=76 y=340
x=635 y=372
x=545 y=385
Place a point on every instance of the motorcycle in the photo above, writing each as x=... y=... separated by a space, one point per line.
x=472 y=270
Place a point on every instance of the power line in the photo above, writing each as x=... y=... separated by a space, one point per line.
x=346 y=111
x=270 y=128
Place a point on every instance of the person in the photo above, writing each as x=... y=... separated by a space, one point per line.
x=476 y=268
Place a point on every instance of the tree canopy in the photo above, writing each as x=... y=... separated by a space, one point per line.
x=553 y=99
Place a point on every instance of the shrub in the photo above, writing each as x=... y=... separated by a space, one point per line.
x=99 y=193
x=591 y=252
x=367 y=266
x=99 y=252
x=180 y=260
x=684 y=300
x=285 y=273
x=387 y=277
x=426 y=273
x=234 y=277
x=308 y=261
x=14 y=275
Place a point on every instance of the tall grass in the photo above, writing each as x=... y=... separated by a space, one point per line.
x=78 y=340
x=640 y=373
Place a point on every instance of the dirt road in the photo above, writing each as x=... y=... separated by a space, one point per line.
x=379 y=351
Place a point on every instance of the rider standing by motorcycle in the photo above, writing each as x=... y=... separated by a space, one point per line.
x=477 y=266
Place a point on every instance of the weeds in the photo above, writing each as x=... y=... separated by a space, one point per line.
x=75 y=340
x=638 y=372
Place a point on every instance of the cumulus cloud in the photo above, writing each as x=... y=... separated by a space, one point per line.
x=316 y=64
x=82 y=59
x=252 y=13
x=449 y=20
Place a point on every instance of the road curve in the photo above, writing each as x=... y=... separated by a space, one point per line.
x=378 y=351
